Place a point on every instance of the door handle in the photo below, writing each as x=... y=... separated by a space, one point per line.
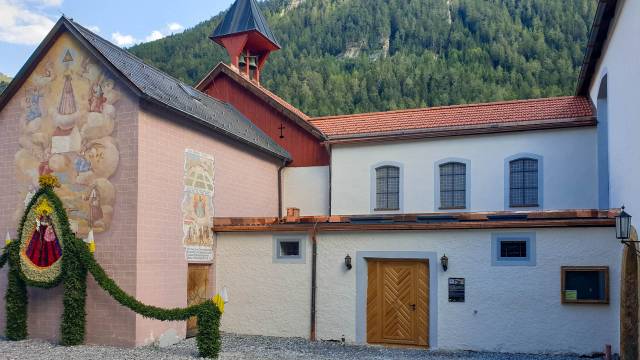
x=413 y=307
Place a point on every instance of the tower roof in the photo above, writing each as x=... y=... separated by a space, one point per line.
x=244 y=16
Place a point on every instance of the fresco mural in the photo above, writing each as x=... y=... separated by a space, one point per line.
x=69 y=106
x=197 y=206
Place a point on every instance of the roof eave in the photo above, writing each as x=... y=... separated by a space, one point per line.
x=284 y=157
x=463 y=130
x=597 y=37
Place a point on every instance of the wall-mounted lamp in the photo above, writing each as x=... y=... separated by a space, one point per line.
x=623 y=226
x=444 y=261
x=347 y=262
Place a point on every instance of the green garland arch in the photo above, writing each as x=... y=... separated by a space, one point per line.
x=76 y=262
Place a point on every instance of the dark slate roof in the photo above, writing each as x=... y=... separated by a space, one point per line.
x=158 y=88
x=243 y=16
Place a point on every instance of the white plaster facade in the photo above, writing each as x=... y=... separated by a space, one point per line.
x=620 y=63
x=306 y=188
x=266 y=297
x=569 y=170
x=274 y=299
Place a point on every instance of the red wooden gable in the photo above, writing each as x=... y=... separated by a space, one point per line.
x=301 y=139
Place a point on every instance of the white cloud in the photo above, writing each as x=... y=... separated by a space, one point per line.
x=95 y=29
x=24 y=22
x=175 y=27
x=155 y=35
x=123 y=40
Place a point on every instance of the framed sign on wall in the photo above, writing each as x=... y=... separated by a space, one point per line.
x=456 y=289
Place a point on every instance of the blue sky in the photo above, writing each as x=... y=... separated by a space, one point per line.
x=24 y=23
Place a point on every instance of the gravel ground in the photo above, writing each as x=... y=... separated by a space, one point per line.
x=244 y=348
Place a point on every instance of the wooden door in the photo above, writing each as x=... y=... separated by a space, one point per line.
x=398 y=302
x=198 y=278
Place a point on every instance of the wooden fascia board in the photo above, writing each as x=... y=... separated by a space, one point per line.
x=467 y=225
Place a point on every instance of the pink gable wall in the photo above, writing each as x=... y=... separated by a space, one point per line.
x=245 y=185
x=107 y=321
x=142 y=246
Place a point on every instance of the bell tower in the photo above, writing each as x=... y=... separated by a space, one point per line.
x=246 y=36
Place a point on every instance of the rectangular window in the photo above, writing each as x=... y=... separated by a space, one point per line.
x=513 y=249
x=585 y=284
x=453 y=186
x=289 y=249
x=523 y=183
x=388 y=188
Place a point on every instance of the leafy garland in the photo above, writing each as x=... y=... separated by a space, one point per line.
x=77 y=260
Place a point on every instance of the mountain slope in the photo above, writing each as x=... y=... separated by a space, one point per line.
x=349 y=56
x=4 y=82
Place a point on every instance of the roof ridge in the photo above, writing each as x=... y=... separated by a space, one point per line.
x=401 y=111
x=129 y=54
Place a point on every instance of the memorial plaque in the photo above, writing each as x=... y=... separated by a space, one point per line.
x=456 y=289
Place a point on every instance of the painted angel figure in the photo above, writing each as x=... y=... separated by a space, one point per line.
x=97 y=99
x=34 y=110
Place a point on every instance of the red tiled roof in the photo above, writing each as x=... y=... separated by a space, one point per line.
x=520 y=112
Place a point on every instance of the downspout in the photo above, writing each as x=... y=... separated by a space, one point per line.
x=314 y=260
x=329 y=149
x=280 y=169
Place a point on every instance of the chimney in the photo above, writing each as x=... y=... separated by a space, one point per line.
x=246 y=36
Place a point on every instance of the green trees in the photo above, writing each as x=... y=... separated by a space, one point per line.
x=347 y=56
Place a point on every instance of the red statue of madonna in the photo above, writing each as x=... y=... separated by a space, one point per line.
x=44 y=248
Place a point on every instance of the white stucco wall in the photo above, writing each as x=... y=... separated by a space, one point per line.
x=518 y=307
x=266 y=298
x=569 y=169
x=620 y=61
x=306 y=188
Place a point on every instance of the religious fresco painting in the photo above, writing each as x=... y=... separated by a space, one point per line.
x=69 y=106
x=197 y=206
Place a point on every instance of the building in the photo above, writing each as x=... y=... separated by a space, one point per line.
x=479 y=227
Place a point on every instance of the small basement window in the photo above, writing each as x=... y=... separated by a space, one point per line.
x=288 y=249
x=513 y=249
x=585 y=284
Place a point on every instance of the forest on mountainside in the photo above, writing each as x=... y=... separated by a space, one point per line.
x=4 y=82
x=352 y=56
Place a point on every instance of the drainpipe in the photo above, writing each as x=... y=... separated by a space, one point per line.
x=314 y=260
x=284 y=164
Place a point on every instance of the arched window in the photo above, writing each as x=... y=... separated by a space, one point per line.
x=523 y=183
x=453 y=185
x=388 y=188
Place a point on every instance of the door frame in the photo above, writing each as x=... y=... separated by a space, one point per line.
x=362 y=281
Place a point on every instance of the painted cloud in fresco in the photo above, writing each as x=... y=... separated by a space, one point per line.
x=67 y=128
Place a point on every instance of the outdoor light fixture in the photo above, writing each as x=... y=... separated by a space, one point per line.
x=623 y=226
x=444 y=261
x=347 y=262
